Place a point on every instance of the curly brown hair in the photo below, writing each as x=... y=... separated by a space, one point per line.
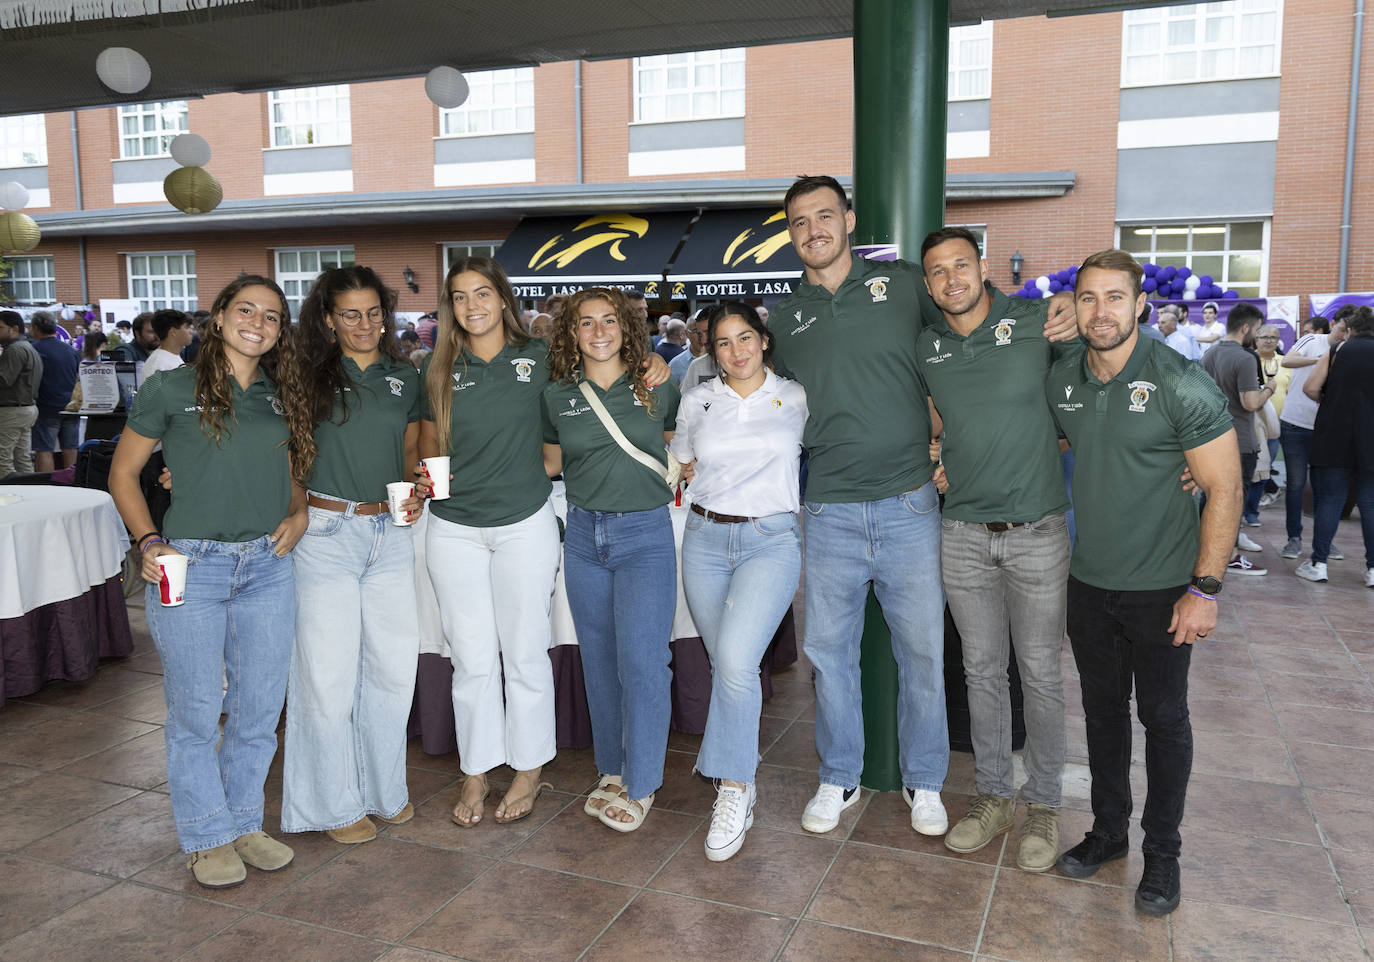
x=565 y=358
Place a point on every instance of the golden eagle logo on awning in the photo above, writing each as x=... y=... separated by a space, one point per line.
x=617 y=228
x=761 y=251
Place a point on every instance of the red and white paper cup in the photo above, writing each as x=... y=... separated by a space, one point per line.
x=396 y=492
x=172 y=587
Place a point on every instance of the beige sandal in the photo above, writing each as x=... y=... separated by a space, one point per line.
x=515 y=801
x=607 y=790
x=636 y=808
x=475 y=808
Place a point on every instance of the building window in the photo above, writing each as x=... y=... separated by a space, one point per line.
x=163 y=279
x=689 y=86
x=298 y=267
x=310 y=116
x=1235 y=255
x=456 y=252
x=1201 y=41
x=23 y=141
x=499 y=102
x=970 y=62
x=30 y=281
x=146 y=130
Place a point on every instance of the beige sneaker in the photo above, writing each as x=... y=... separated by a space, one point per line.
x=989 y=816
x=1039 y=847
x=263 y=852
x=217 y=868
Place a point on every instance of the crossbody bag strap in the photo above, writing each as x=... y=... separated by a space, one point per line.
x=608 y=422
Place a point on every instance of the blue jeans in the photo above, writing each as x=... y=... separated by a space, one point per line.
x=352 y=672
x=621 y=573
x=238 y=618
x=1295 y=442
x=894 y=544
x=740 y=579
x=1254 y=490
x=1330 y=487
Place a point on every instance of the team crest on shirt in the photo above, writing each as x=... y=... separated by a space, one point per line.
x=396 y=384
x=277 y=407
x=1003 y=330
x=1140 y=395
x=877 y=286
x=524 y=366
x=776 y=402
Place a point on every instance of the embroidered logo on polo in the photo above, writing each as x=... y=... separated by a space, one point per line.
x=877 y=286
x=937 y=357
x=524 y=366
x=573 y=410
x=1068 y=404
x=802 y=326
x=396 y=384
x=706 y=405
x=459 y=384
x=1003 y=330
x=776 y=402
x=1140 y=395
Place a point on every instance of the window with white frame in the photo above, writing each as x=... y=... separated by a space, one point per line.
x=23 y=141
x=970 y=62
x=310 y=116
x=1201 y=41
x=30 y=281
x=147 y=130
x=1234 y=254
x=499 y=102
x=698 y=85
x=297 y=268
x=456 y=252
x=161 y=279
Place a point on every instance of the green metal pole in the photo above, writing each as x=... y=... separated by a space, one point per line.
x=901 y=64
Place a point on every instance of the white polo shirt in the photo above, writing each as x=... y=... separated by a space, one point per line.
x=1299 y=409
x=748 y=450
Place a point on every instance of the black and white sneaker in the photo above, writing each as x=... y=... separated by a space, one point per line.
x=822 y=813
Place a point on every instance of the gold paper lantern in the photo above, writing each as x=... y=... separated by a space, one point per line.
x=18 y=232
x=193 y=190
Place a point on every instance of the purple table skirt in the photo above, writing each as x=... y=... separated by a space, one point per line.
x=64 y=640
x=431 y=713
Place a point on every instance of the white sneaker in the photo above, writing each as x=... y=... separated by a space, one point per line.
x=1268 y=498
x=1312 y=570
x=731 y=816
x=822 y=813
x=1244 y=543
x=927 y=811
x=1369 y=577
x=1334 y=554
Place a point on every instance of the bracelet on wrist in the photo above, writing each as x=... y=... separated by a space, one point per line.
x=138 y=542
x=154 y=539
x=1192 y=590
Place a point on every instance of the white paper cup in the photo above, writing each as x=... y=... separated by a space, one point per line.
x=396 y=492
x=437 y=469
x=172 y=587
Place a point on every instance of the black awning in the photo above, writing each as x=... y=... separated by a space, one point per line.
x=559 y=255
x=736 y=253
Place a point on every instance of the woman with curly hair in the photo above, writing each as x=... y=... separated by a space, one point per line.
x=619 y=560
x=357 y=633
x=237 y=511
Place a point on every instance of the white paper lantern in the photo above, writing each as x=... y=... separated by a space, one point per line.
x=13 y=195
x=192 y=189
x=123 y=70
x=67 y=313
x=190 y=150
x=18 y=233
x=446 y=87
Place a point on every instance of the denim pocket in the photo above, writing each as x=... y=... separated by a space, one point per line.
x=1051 y=524
x=775 y=524
x=323 y=522
x=813 y=508
x=192 y=548
x=921 y=501
x=694 y=521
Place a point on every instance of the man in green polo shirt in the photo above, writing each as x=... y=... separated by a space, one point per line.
x=1004 y=540
x=1145 y=572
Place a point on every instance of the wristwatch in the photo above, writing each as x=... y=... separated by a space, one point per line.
x=1207 y=584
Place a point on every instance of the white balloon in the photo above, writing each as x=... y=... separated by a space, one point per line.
x=1044 y=294
x=123 y=70
x=1190 y=294
x=13 y=195
x=67 y=313
x=191 y=150
x=1043 y=282
x=446 y=87
x=1192 y=283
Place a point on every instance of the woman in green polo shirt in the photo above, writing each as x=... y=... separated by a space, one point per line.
x=619 y=560
x=357 y=633
x=236 y=514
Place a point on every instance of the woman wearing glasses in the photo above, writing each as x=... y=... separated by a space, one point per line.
x=357 y=634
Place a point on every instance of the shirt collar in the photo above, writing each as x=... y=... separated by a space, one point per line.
x=1133 y=363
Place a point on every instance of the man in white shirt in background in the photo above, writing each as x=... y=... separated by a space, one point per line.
x=696 y=347
x=174 y=330
x=1212 y=330
x=1180 y=342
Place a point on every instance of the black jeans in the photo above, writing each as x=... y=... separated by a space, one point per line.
x=1120 y=637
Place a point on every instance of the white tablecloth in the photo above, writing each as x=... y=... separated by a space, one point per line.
x=56 y=543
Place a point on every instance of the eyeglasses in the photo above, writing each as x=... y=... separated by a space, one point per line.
x=1267 y=337
x=354 y=318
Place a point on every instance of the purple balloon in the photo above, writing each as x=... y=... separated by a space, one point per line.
x=1151 y=269
x=1207 y=280
x=1230 y=296
x=1055 y=287
x=1149 y=285
x=1185 y=272
x=1168 y=273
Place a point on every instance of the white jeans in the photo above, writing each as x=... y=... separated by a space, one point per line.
x=494 y=586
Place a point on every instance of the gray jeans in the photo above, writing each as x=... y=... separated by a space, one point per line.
x=15 y=425
x=1015 y=580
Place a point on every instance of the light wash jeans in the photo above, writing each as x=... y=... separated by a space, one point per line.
x=739 y=579
x=1015 y=580
x=621 y=572
x=895 y=544
x=352 y=672
x=237 y=620
x=494 y=586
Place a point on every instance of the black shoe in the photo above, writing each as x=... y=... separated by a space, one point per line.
x=1159 y=890
x=1085 y=858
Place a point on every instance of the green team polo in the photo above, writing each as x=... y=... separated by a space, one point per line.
x=1001 y=450
x=360 y=456
x=598 y=474
x=236 y=490
x=1137 y=527
x=868 y=432
x=494 y=437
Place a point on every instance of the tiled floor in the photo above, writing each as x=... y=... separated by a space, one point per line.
x=1278 y=837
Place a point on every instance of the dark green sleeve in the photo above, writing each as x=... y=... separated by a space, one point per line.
x=927 y=313
x=669 y=396
x=423 y=411
x=550 y=431
x=150 y=416
x=1198 y=408
x=417 y=400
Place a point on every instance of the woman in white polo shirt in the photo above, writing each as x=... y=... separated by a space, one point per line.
x=741 y=554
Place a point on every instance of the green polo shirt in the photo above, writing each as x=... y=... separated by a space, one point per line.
x=1137 y=527
x=598 y=474
x=868 y=432
x=237 y=489
x=494 y=438
x=1001 y=450
x=360 y=456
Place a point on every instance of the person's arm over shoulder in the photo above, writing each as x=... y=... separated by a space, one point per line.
x=670 y=397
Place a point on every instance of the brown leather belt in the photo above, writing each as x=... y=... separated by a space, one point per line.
x=720 y=518
x=363 y=508
x=997 y=527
